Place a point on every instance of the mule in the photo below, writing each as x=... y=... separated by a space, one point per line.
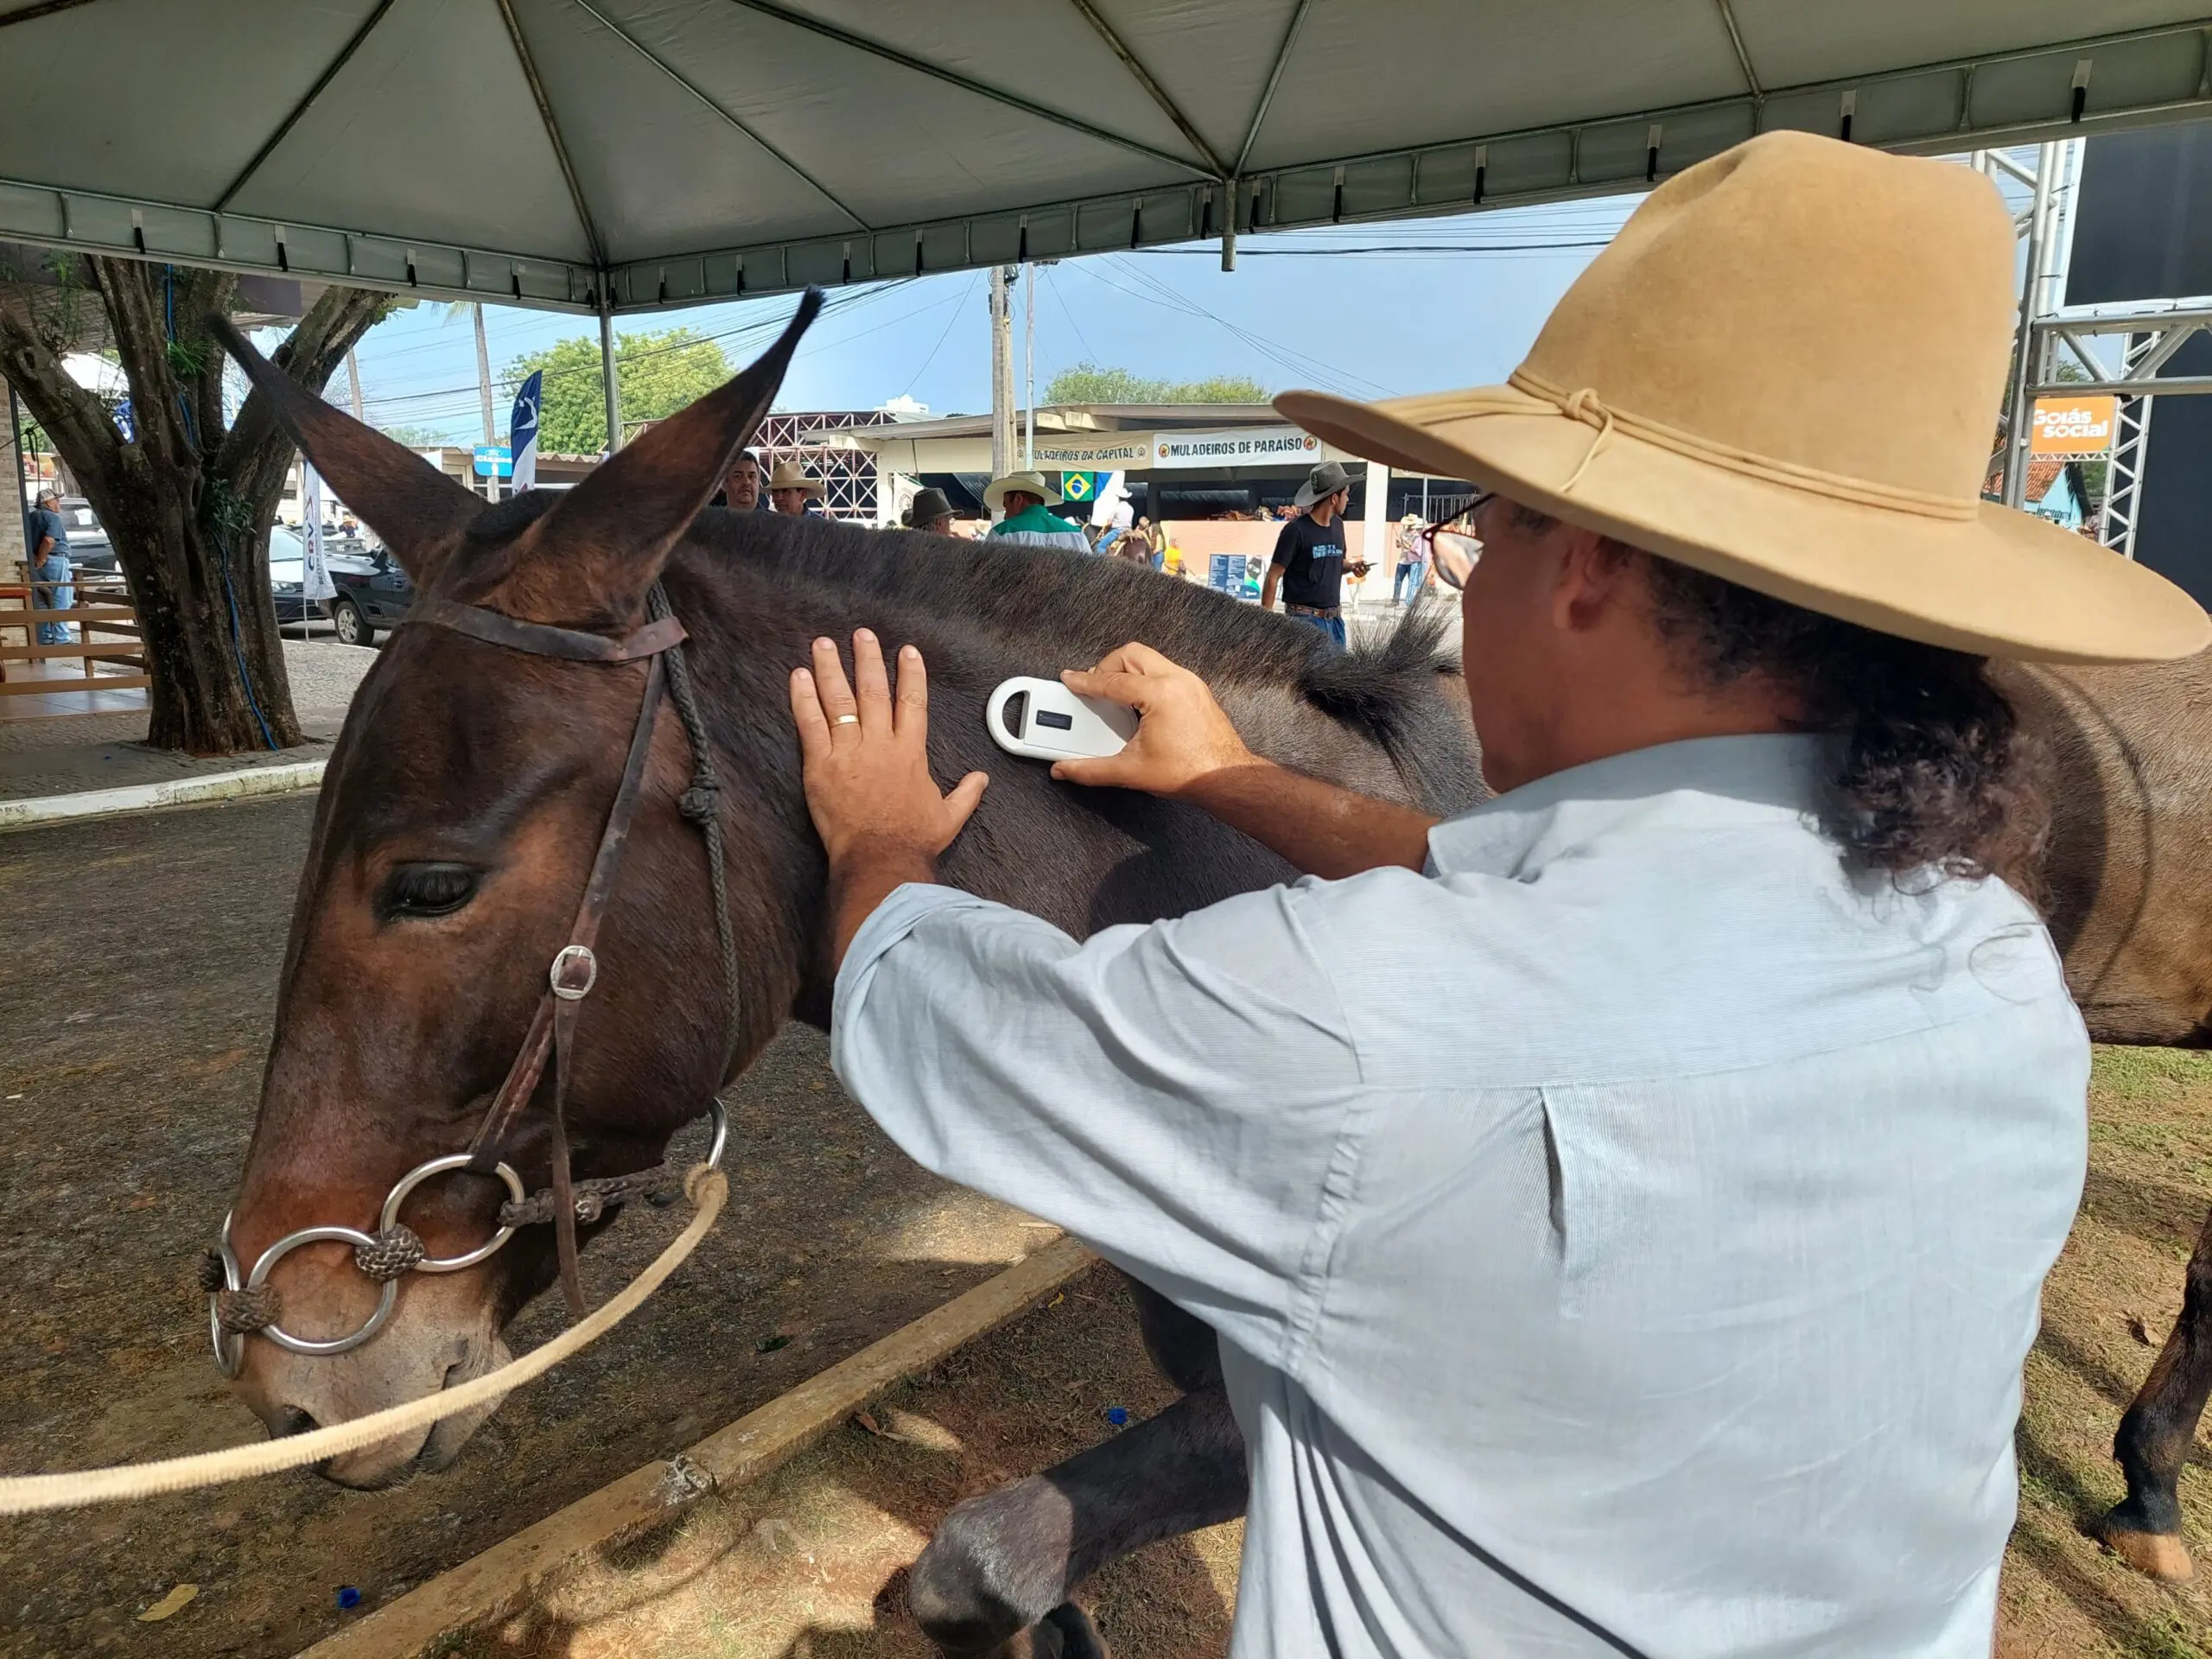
x=459 y=813
x=463 y=798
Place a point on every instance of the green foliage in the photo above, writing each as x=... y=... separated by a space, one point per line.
x=187 y=359
x=418 y=437
x=658 y=374
x=1086 y=382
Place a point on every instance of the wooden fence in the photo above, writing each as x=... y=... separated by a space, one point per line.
x=108 y=642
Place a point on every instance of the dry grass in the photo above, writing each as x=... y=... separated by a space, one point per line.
x=2150 y=1177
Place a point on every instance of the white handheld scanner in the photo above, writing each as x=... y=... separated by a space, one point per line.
x=1045 y=721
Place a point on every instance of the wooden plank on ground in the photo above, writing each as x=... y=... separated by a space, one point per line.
x=748 y=1449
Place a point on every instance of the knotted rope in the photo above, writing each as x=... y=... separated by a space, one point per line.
x=27 y=1494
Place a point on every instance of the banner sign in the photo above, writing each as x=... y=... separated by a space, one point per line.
x=1104 y=453
x=522 y=430
x=2073 y=426
x=1248 y=446
x=315 y=584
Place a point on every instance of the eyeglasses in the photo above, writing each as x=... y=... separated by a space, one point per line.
x=1453 y=553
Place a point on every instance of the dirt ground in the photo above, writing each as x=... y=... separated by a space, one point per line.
x=138 y=970
x=138 y=962
x=2109 y=1302
x=810 y=1562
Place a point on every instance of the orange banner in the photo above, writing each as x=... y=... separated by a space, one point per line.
x=2073 y=426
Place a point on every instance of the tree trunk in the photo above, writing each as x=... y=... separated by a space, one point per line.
x=186 y=503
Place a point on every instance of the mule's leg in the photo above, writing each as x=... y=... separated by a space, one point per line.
x=1003 y=1562
x=1181 y=1344
x=2159 y=1428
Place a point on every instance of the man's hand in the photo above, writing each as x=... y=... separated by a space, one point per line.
x=1185 y=748
x=875 y=805
x=1182 y=736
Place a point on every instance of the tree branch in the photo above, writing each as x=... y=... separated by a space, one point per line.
x=74 y=418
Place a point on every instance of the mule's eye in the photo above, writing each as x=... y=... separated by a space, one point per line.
x=426 y=890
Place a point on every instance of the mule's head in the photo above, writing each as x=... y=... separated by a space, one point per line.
x=460 y=810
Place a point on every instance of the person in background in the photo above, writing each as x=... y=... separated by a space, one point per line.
x=1412 y=574
x=48 y=540
x=1309 y=560
x=931 y=511
x=791 y=487
x=1027 y=499
x=741 y=490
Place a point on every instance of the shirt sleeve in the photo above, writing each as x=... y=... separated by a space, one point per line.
x=1177 y=1096
x=1286 y=544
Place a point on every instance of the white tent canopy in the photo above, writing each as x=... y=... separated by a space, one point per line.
x=663 y=152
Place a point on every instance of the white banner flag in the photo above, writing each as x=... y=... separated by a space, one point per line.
x=315 y=584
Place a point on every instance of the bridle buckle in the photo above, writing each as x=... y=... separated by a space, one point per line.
x=565 y=965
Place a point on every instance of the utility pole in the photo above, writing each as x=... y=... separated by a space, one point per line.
x=1029 y=366
x=353 y=380
x=1001 y=374
x=484 y=395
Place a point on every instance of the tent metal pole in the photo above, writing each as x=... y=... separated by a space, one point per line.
x=612 y=386
x=1028 y=367
x=2017 y=434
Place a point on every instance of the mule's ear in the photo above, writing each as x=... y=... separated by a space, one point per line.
x=590 y=559
x=418 y=510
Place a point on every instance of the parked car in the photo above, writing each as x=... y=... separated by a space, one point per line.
x=373 y=591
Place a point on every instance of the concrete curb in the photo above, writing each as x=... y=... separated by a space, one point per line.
x=179 y=791
x=506 y=1574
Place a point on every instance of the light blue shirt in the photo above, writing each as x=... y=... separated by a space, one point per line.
x=1673 y=1247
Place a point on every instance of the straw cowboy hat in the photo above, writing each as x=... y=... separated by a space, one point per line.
x=1029 y=483
x=1326 y=480
x=1785 y=371
x=789 y=475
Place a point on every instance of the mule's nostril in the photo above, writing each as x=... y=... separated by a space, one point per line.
x=293 y=1420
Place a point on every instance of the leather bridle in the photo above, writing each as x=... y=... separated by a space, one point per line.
x=246 y=1302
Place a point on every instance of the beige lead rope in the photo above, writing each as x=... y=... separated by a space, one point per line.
x=27 y=1494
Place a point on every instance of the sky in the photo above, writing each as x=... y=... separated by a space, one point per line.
x=1366 y=310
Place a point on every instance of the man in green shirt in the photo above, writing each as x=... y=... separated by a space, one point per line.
x=1026 y=501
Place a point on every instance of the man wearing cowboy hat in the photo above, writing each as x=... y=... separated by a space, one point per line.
x=1025 y=498
x=931 y=511
x=791 y=487
x=1659 y=1283
x=1309 y=558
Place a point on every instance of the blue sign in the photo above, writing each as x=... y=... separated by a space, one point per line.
x=495 y=460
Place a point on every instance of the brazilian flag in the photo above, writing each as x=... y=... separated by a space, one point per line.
x=1079 y=486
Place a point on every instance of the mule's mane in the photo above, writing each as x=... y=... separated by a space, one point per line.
x=1061 y=608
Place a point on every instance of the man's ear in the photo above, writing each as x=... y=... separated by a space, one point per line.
x=588 y=562
x=420 y=512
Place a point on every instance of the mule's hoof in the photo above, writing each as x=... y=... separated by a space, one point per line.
x=2159 y=1554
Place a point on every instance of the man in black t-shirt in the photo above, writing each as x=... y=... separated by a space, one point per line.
x=1309 y=560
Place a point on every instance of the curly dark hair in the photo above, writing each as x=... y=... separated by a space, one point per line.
x=1937 y=773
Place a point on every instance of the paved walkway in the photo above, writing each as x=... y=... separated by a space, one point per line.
x=65 y=755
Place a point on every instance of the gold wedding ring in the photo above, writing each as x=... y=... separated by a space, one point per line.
x=848 y=719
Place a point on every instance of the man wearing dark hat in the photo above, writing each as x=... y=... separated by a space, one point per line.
x=933 y=512
x=1309 y=560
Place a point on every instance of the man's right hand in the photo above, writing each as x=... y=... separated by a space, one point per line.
x=1182 y=736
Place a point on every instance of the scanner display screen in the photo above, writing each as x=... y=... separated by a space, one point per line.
x=1059 y=723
